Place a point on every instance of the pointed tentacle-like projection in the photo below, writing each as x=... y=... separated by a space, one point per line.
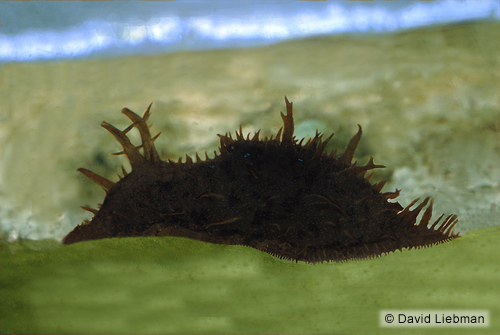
x=147 y=142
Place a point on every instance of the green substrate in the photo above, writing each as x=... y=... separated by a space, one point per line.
x=175 y=285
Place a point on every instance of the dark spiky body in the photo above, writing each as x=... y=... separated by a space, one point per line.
x=277 y=195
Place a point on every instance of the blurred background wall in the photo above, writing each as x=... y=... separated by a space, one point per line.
x=421 y=77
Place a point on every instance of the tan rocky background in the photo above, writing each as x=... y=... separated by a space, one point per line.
x=428 y=101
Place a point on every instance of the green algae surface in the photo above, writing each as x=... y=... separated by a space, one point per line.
x=176 y=285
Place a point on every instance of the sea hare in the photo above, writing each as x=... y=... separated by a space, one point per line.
x=286 y=197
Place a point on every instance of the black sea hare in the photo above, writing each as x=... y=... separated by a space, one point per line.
x=285 y=197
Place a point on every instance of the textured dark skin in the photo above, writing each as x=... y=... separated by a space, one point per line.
x=278 y=195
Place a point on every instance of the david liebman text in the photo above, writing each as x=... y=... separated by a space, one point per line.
x=440 y=319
